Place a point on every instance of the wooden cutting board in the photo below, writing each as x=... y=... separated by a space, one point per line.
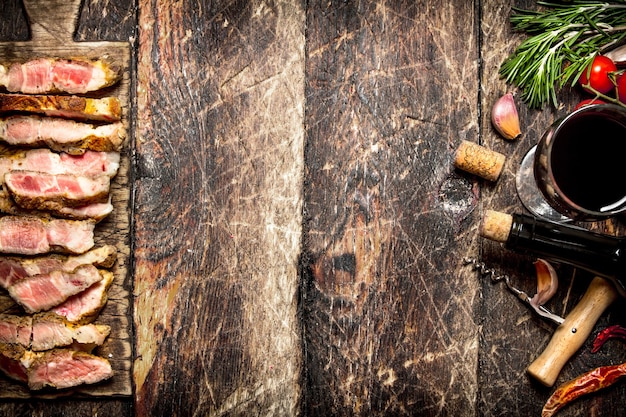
x=52 y=25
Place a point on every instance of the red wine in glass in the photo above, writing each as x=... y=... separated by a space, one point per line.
x=577 y=171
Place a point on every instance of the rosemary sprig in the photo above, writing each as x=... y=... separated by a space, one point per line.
x=563 y=40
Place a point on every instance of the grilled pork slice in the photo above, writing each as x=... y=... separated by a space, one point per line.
x=57 y=368
x=26 y=235
x=85 y=306
x=106 y=109
x=42 y=292
x=38 y=190
x=16 y=329
x=89 y=164
x=48 y=331
x=13 y=268
x=61 y=135
x=11 y=361
x=65 y=368
x=95 y=211
x=51 y=331
x=51 y=75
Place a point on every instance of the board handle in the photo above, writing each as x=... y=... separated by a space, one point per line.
x=43 y=19
x=573 y=332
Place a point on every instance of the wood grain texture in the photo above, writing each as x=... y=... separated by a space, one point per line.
x=388 y=314
x=299 y=224
x=218 y=208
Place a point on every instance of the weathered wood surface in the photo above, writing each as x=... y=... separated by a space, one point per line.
x=298 y=227
x=52 y=25
x=389 y=322
x=218 y=207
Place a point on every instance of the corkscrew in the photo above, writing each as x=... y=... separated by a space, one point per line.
x=520 y=294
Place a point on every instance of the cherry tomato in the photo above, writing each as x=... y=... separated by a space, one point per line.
x=589 y=102
x=621 y=88
x=598 y=78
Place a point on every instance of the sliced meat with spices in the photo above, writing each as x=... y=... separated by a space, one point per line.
x=90 y=163
x=61 y=135
x=66 y=368
x=41 y=191
x=48 y=331
x=42 y=292
x=53 y=75
x=95 y=211
x=13 y=268
x=16 y=329
x=85 y=306
x=51 y=331
x=11 y=361
x=27 y=235
x=70 y=236
x=58 y=368
x=105 y=109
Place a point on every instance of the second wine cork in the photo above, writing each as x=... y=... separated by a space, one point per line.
x=478 y=160
x=496 y=226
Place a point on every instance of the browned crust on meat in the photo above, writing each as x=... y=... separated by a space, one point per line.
x=10 y=365
x=75 y=107
x=107 y=279
x=9 y=206
x=53 y=203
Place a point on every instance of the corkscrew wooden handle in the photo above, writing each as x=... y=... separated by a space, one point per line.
x=573 y=332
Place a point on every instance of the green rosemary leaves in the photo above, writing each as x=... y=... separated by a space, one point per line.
x=563 y=40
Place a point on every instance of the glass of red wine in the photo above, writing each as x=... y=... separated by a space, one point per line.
x=577 y=170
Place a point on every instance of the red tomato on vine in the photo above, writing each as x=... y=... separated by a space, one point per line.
x=598 y=75
x=589 y=102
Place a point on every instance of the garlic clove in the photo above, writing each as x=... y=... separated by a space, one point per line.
x=547 y=283
x=505 y=118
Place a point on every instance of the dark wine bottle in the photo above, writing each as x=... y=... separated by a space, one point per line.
x=600 y=254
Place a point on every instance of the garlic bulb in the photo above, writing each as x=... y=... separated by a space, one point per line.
x=504 y=117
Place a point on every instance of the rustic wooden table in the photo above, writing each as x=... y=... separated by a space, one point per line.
x=298 y=228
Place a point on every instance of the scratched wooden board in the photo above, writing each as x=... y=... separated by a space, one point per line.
x=218 y=207
x=388 y=316
x=512 y=337
x=52 y=25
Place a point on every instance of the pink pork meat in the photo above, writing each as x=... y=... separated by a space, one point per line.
x=24 y=235
x=41 y=191
x=95 y=211
x=61 y=135
x=65 y=368
x=48 y=331
x=57 y=368
x=13 y=269
x=50 y=75
x=90 y=163
x=16 y=329
x=84 y=307
x=42 y=292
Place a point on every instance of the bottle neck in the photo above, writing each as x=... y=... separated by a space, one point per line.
x=597 y=253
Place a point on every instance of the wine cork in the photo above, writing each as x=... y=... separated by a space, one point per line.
x=478 y=160
x=496 y=226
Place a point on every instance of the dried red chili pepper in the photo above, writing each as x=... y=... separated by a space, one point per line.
x=586 y=383
x=612 y=332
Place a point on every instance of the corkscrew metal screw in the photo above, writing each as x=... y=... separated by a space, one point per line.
x=495 y=277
